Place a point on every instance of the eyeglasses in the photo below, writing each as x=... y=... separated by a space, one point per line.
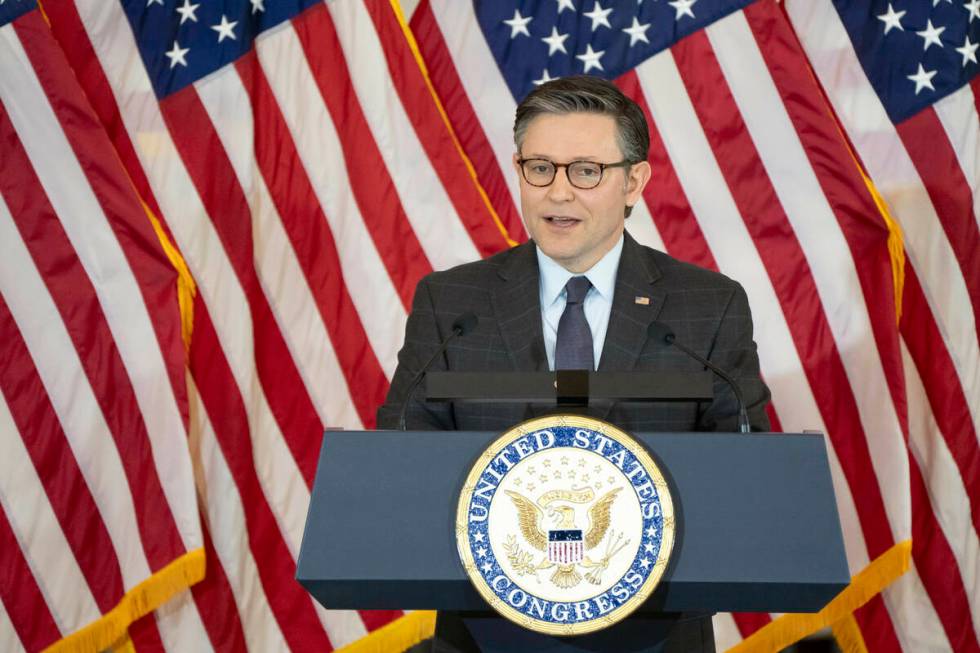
x=581 y=174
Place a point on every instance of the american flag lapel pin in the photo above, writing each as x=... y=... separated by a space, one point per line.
x=642 y=301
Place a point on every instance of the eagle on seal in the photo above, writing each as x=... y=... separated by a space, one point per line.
x=530 y=517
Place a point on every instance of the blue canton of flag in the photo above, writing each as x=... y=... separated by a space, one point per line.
x=181 y=41
x=537 y=40
x=914 y=51
x=11 y=10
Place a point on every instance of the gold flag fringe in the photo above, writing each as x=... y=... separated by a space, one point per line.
x=110 y=630
x=399 y=635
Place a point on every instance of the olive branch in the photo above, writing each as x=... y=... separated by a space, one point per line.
x=520 y=560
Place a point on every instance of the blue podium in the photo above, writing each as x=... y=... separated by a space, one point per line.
x=757 y=529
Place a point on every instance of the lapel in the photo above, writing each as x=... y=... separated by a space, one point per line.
x=517 y=307
x=638 y=277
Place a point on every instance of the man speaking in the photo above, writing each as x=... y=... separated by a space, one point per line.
x=581 y=294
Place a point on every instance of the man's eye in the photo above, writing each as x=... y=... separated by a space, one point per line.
x=541 y=169
x=587 y=171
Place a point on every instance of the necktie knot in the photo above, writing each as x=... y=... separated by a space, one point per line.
x=576 y=289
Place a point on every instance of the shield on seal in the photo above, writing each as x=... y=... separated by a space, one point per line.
x=565 y=546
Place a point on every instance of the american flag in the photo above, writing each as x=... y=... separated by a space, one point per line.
x=298 y=161
x=902 y=78
x=98 y=517
x=753 y=177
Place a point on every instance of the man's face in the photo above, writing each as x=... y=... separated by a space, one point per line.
x=576 y=227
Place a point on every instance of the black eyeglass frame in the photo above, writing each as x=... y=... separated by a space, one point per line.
x=602 y=170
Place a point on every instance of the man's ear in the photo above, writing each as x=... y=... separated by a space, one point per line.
x=516 y=161
x=636 y=181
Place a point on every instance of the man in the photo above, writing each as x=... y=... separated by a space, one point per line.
x=581 y=293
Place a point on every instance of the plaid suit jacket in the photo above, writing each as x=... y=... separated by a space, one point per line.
x=708 y=311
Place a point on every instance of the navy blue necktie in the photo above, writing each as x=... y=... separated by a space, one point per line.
x=573 y=348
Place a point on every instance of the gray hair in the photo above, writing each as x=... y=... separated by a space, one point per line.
x=588 y=94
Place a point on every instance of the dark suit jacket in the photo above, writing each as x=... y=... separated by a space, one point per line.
x=708 y=312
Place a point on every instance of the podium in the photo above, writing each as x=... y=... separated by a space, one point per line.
x=757 y=529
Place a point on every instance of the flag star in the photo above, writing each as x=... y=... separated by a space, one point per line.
x=545 y=77
x=637 y=32
x=936 y=2
x=599 y=16
x=518 y=24
x=973 y=6
x=893 y=18
x=154 y=2
x=225 y=29
x=683 y=8
x=969 y=51
x=176 y=55
x=187 y=12
x=931 y=35
x=591 y=58
x=923 y=79
x=565 y=4
x=555 y=42
x=257 y=5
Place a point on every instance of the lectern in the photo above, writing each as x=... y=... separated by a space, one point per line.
x=757 y=529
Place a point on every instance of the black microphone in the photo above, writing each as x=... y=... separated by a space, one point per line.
x=663 y=333
x=461 y=326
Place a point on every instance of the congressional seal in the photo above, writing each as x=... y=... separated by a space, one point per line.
x=565 y=525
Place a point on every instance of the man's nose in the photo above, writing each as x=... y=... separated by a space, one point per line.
x=560 y=190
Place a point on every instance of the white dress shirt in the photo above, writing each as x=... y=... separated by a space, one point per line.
x=598 y=301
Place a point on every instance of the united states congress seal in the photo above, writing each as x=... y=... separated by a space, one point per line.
x=565 y=525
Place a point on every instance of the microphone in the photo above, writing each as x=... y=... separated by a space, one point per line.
x=461 y=326
x=663 y=333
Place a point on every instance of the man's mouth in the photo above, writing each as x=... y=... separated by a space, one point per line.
x=561 y=220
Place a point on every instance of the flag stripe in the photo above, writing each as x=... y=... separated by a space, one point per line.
x=664 y=195
x=376 y=195
x=907 y=602
x=487 y=94
x=302 y=103
x=225 y=204
x=70 y=32
x=418 y=185
x=144 y=634
x=214 y=598
x=894 y=173
x=434 y=138
x=934 y=560
x=44 y=440
x=314 y=250
x=64 y=376
x=32 y=623
x=960 y=120
x=449 y=87
x=856 y=213
x=817 y=245
x=289 y=602
x=250 y=619
x=41 y=544
x=946 y=398
x=79 y=307
x=936 y=163
x=948 y=497
x=128 y=266
x=783 y=260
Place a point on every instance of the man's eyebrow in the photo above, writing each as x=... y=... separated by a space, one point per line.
x=586 y=157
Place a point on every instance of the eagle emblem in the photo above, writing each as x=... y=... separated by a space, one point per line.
x=563 y=544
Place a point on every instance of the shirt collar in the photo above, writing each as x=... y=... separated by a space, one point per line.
x=602 y=275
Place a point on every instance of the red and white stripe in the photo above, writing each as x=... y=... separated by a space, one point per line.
x=96 y=481
x=308 y=186
x=927 y=168
x=751 y=179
